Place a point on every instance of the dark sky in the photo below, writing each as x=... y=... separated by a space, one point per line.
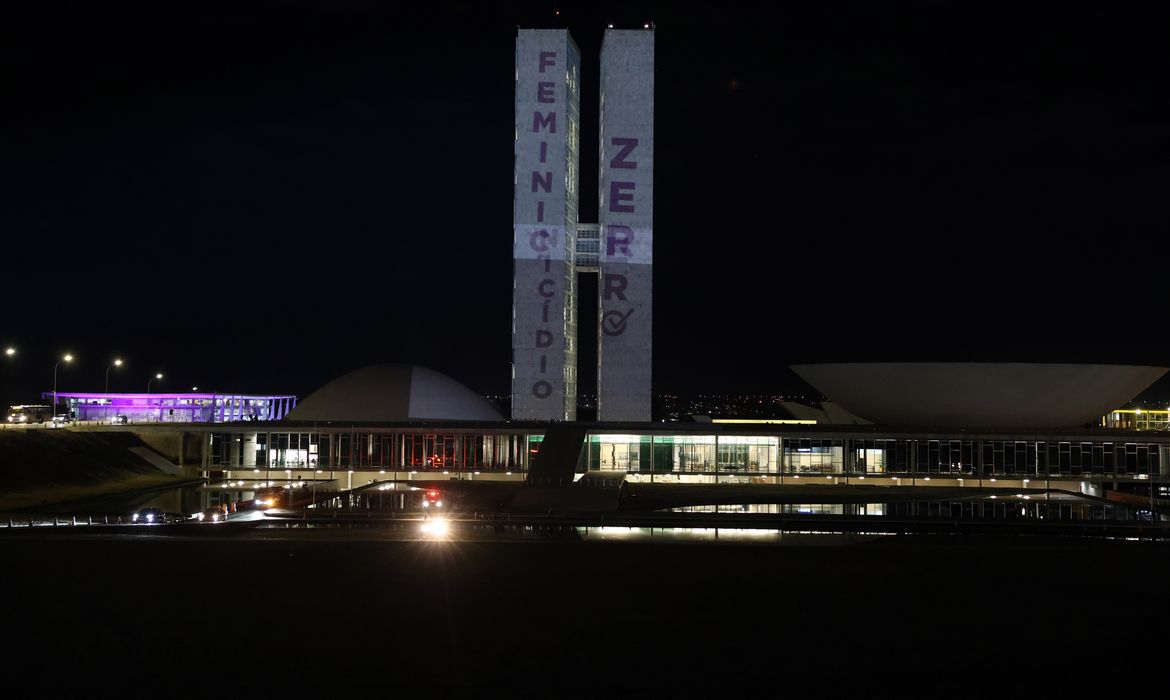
x=262 y=196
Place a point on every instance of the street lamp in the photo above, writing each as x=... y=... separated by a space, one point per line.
x=194 y=388
x=9 y=351
x=148 y=381
x=117 y=363
x=67 y=358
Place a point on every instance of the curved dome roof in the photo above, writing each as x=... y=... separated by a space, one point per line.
x=393 y=393
x=979 y=395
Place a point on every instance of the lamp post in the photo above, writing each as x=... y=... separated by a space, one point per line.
x=148 y=381
x=67 y=358
x=117 y=363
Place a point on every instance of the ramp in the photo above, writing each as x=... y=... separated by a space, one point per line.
x=151 y=457
x=556 y=462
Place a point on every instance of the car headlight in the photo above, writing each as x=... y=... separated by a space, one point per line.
x=134 y=518
x=150 y=518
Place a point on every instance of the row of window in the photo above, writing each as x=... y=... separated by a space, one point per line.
x=696 y=454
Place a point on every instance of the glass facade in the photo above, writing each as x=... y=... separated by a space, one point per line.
x=776 y=455
x=698 y=457
x=175 y=408
x=410 y=451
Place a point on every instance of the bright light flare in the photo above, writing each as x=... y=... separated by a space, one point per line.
x=437 y=527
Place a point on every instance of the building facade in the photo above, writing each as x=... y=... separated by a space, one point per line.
x=546 y=252
x=545 y=186
x=174 y=408
x=626 y=215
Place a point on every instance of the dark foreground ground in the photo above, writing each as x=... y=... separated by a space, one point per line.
x=331 y=614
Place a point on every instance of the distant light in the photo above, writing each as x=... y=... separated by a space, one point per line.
x=194 y=388
x=10 y=351
x=645 y=26
x=611 y=26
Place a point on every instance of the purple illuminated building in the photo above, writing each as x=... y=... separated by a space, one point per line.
x=174 y=408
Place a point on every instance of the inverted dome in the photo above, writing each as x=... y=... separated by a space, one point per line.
x=393 y=393
x=979 y=395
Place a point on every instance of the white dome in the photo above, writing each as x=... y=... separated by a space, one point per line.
x=388 y=393
x=978 y=394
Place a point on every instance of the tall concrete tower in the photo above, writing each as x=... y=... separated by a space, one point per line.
x=626 y=255
x=545 y=186
x=544 y=234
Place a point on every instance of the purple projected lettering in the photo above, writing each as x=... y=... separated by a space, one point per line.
x=542 y=181
x=548 y=120
x=618 y=237
x=615 y=287
x=614 y=322
x=628 y=146
x=618 y=194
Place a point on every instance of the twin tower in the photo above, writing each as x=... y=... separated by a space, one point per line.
x=549 y=245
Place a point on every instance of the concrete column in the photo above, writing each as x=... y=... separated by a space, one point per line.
x=248 y=458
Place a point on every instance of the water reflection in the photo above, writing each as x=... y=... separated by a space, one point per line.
x=1011 y=506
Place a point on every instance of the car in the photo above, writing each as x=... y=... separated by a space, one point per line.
x=213 y=515
x=119 y=420
x=62 y=420
x=149 y=516
x=269 y=498
x=433 y=498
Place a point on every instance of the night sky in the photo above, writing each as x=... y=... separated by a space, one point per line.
x=263 y=196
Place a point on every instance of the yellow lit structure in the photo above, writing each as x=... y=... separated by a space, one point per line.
x=1137 y=419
